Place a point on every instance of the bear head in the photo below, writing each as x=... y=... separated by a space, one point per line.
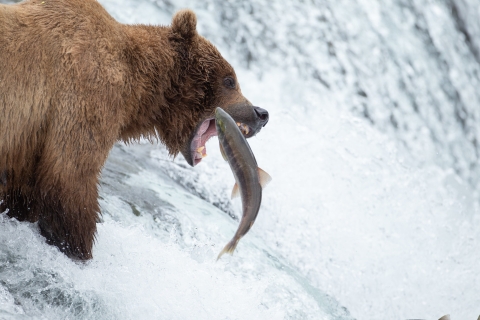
x=207 y=81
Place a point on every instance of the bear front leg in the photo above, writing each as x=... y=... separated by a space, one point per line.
x=69 y=211
x=68 y=220
x=67 y=203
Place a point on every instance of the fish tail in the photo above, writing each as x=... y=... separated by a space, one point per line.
x=229 y=248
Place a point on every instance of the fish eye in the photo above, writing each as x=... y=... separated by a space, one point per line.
x=229 y=82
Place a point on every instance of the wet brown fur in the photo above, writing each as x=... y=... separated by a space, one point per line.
x=73 y=81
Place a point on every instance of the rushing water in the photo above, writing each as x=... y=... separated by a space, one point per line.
x=372 y=212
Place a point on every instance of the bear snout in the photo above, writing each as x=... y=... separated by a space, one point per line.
x=262 y=115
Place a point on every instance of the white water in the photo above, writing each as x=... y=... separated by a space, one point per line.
x=353 y=225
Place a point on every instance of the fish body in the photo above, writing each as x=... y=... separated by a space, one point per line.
x=249 y=178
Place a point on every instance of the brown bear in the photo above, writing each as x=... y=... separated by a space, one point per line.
x=73 y=81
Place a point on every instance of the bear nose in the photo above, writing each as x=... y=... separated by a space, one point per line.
x=262 y=114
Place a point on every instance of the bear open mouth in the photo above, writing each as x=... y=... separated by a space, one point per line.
x=207 y=130
x=197 y=148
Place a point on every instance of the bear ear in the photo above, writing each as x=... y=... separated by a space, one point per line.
x=184 y=23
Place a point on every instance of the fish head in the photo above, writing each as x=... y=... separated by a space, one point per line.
x=220 y=120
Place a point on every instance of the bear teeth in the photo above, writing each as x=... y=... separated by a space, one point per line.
x=243 y=128
x=200 y=155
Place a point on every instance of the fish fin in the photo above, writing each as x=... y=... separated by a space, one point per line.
x=263 y=177
x=235 y=191
x=229 y=248
x=222 y=152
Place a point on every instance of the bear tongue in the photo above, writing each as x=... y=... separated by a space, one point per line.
x=198 y=144
x=206 y=130
x=210 y=132
x=201 y=130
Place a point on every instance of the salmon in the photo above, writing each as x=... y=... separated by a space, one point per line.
x=250 y=179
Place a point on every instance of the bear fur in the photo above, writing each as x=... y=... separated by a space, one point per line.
x=73 y=81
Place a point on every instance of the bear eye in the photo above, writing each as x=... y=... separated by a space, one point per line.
x=229 y=82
